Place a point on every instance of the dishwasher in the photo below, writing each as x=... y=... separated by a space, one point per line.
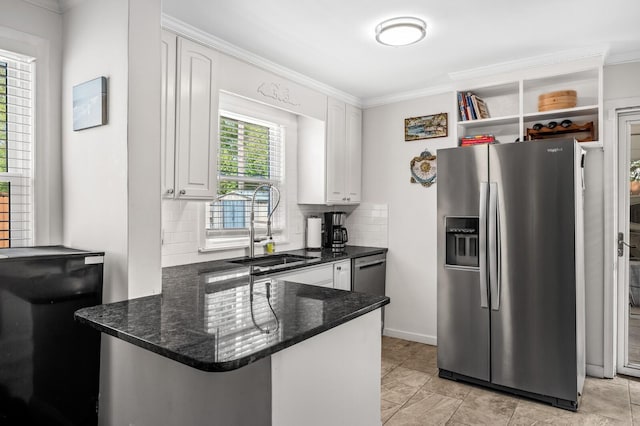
x=368 y=275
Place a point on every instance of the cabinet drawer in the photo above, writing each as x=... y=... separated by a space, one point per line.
x=319 y=275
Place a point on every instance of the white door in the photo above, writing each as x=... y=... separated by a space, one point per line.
x=629 y=243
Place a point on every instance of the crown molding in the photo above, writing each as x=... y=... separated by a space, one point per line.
x=195 y=34
x=596 y=52
x=68 y=4
x=52 y=5
x=406 y=96
x=623 y=57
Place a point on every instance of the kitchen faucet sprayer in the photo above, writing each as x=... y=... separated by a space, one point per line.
x=252 y=231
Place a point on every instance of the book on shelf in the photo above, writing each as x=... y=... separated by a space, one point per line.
x=476 y=139
x=470 y=110
x=462 y=107
x=472 y=107
x=481 y=107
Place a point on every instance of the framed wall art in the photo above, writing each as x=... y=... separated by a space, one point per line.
x=90 y=104
x=426 y=127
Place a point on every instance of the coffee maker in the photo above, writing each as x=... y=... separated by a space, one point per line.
x=335 y=235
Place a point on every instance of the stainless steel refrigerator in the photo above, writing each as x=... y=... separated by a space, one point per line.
x=511 y=268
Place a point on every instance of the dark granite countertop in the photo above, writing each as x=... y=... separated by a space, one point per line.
x=218 y=316
x=43 y=252
x=316 y=257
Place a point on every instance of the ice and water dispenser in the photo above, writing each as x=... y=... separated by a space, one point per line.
x=462 y=241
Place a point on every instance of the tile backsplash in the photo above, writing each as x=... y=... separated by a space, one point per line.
x=368 y=225
x=180 y=227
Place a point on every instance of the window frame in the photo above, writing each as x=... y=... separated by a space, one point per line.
x=25 y=180
x=250 y=111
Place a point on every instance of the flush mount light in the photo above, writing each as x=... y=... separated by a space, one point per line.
x=401 y=31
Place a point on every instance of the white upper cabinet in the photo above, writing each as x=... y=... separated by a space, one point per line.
x=190 y=119
x=168 y=111
x=353 y=149
x=330 y=159
x=336 y=155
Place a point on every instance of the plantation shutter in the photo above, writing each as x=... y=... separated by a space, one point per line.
x=16 y=150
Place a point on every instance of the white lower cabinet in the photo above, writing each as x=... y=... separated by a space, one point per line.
x=321 y=275
x=332 y=275
x=342 y=275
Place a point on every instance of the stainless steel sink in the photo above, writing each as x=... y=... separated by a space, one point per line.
x=272 y=260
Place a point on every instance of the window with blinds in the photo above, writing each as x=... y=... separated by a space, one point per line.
x=16 y=141
x=249 y=154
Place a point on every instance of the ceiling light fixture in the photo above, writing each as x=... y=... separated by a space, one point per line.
x=401 y=31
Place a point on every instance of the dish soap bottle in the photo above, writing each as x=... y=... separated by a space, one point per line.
x=270 y=246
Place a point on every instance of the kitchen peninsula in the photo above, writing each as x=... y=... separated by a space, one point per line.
x=250 y=349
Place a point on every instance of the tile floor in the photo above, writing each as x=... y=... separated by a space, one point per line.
x=413 y=394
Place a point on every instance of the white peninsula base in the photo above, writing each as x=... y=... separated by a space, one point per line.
x=330 y=379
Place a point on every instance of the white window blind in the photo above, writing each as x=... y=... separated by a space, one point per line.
x=16 y=150
x=250 y=153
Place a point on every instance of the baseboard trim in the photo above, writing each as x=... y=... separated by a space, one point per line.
x=595 y=371
x=413 y=337
x=591 y=370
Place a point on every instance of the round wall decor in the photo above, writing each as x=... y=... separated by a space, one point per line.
x=423 y=169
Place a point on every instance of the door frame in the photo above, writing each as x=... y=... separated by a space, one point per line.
x=622 y=283
x=611 y=145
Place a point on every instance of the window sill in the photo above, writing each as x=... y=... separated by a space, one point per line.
x=234 y=244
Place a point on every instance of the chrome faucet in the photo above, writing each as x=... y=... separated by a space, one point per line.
x=252 y=230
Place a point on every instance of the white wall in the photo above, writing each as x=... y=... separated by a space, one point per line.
x=411 y=260
x=111 y=173
x=621 y=90
x=109 y=170
x=143 y=148
x=37 y=32
x=621 y=81
x=94 y=160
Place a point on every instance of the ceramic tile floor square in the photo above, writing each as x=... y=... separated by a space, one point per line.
x=413 y=394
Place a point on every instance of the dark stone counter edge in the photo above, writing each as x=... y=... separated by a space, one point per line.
x=230 y=365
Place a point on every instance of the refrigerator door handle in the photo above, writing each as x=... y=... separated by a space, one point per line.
x=494 y=247
x=484 y=192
